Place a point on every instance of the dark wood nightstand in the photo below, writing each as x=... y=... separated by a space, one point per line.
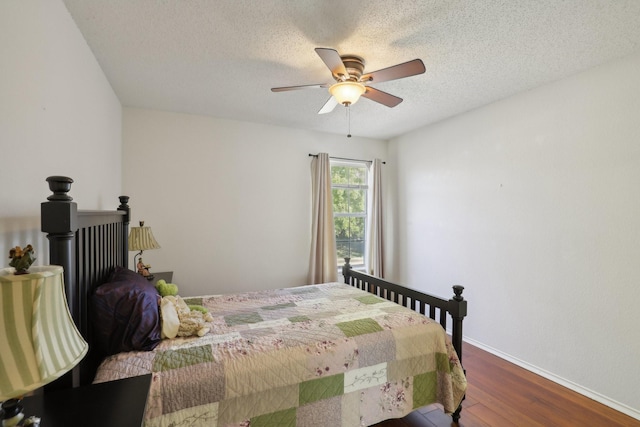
x=118 y=403
x=167 y=276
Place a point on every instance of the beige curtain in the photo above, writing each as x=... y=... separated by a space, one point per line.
x=374 y=229
x=323 y=265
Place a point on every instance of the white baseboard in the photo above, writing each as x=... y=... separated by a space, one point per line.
x=620 y=407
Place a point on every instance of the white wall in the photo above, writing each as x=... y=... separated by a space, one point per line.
x=228 y=201
x=532 y=204
x=58 y=116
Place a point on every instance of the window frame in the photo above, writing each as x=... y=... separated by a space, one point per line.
x=360 y=164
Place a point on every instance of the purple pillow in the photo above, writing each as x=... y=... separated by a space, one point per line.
x=125 y=313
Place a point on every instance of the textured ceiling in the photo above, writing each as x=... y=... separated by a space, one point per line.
x=221 y=57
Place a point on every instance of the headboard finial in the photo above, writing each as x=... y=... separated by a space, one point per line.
x=124 y=200
x=60 y=186
x=457 y=290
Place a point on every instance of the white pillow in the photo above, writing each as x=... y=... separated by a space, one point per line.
x=170 y=319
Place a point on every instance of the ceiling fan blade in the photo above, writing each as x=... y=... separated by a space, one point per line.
x=284 y=89
x=395 y=72
x=328 y=106
x=332 y=60
x=383 y=98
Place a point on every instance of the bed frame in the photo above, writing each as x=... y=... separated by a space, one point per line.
x=88 y=244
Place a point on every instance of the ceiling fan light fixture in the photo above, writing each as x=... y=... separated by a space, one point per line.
x=347 y=93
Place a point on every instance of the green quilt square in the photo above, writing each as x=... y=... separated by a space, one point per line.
x=278 y=306
x=285 y=418
x=193 y=300
x=300 y=318
x=173 y=359
x=359 y=327
x=321 y=388
x=424 y=389
x=370 y=299
x=442 y=362
x=242 y=318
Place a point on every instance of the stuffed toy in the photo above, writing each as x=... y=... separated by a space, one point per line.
x=165 y=289
x=178 y=318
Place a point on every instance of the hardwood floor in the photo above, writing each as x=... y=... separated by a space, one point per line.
x=500 y=393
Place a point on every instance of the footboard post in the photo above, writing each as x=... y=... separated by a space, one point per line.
x=458 y=311
x=346 y=271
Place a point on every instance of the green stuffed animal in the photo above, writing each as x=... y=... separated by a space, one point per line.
x=165 y=289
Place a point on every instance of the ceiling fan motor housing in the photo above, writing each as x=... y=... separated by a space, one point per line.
x=354 y=65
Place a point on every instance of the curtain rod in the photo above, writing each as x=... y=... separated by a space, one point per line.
x=344 y=158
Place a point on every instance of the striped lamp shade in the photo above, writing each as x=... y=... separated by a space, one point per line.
x=38 y=340
x=141 y=238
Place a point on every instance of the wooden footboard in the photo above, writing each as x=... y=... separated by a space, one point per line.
x=434 y=307
x=429 y=305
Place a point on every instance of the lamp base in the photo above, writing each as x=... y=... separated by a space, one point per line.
x=141 y=267
x=11 y=412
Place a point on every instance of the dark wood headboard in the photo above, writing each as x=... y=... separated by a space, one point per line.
x=88 y=244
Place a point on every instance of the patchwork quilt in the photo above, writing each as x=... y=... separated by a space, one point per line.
x=321 y=355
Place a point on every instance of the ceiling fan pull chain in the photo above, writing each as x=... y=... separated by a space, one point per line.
x=349 y=121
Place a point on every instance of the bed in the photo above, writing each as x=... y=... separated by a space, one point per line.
x=333 y=354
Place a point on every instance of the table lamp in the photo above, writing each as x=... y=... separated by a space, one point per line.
x=39 y=341
x=141 y=239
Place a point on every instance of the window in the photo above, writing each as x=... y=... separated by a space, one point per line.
x=349 y=186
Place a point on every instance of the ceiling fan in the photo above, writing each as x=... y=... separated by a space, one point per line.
x=351 y=81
